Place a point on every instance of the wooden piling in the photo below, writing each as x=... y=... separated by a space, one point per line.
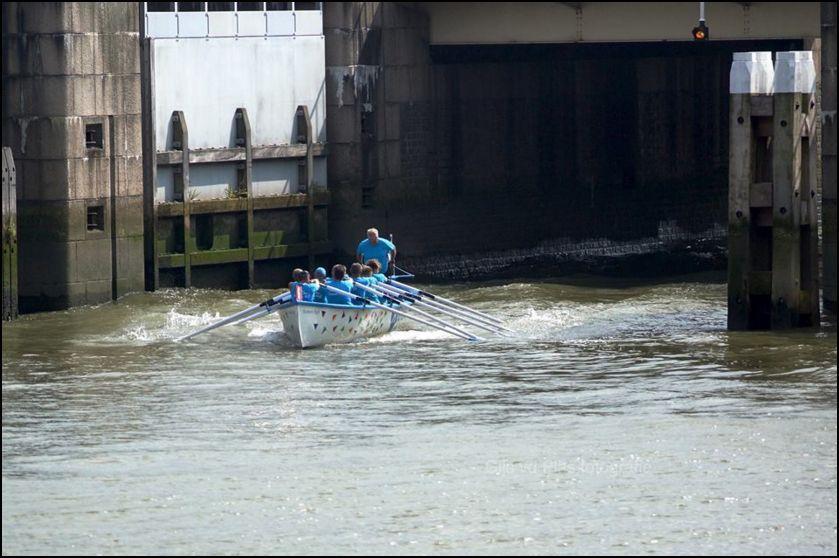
x=794 y=81
x=750 y=84
x=810 y=283
x=10 y=280
x=786 y=210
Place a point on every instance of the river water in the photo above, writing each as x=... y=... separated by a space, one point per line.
x=621 y=419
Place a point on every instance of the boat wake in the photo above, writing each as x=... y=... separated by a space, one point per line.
x=173 y=325
x=409 y=336
x=536 y=312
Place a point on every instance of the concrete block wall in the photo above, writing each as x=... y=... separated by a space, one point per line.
x=379 y=107
x=67 y=65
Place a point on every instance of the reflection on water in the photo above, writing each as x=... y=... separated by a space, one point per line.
x=620 y=419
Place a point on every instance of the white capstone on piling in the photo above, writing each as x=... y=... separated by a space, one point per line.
x=751 y=73
x=795 y=72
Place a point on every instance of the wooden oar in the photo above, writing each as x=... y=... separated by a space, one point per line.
x=468 y=337
x=438 y=298
x=417 y=310
x=488 y=326
x=246 y=314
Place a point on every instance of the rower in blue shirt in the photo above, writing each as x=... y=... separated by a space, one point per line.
x=377 y=249
x=339 y=280
x=367 y=274
x=357 y=272
x=376 y=268
x=355 y=275
x=320 y=278
x=302 y=289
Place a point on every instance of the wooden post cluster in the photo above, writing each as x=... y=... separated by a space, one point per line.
x=10 y=290
x=773 y=241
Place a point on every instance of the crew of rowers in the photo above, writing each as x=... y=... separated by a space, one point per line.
x=375 y=256
x=313 y=289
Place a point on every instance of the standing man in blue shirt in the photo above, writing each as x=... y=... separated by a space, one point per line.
x=375 y=248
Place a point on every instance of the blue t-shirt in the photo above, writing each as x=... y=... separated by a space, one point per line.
x=309 y=290
x=320 y=293
x=367 y=282
x=378 y=252
x=334 y=298
x=303 y=291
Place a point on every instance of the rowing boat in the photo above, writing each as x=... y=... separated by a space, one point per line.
x=312 y=324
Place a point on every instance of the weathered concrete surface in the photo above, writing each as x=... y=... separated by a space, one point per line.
x=616 y=22
x=828 y=123
x=474 y=149
x=66 y=66
x=671 y=252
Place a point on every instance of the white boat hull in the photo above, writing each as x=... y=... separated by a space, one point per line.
x=310 y=324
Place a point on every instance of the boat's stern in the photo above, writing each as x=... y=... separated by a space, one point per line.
x=290 y=316
x=310 y=324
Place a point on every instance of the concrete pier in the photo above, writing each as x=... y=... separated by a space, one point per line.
x=71 y=115
x=828 y=128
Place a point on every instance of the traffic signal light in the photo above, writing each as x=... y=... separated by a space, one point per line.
x=701 y=33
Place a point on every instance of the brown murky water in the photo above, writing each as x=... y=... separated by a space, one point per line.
x=621 y=419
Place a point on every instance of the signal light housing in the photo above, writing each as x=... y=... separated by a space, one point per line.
x=701 y=32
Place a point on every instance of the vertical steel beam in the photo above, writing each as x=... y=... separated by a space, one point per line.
x=152 y=263
x=304 y=130
x=180 y=135
x=112 y=164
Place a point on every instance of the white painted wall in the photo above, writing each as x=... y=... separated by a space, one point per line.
x=209 y=78
x=270 y=178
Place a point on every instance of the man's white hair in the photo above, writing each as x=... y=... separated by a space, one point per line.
x=374 y=231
